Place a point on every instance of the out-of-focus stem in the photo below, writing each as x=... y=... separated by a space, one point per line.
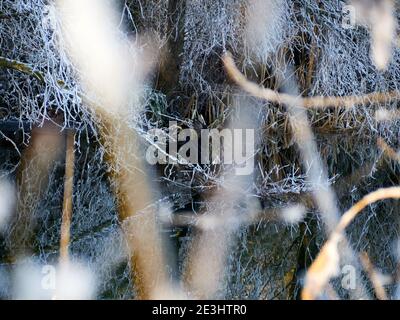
x=313 y=286
x=387 y=150
x=134 y=197
x=224 y=215
x=32 y=180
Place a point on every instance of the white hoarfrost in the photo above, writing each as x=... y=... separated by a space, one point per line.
x=266 y=26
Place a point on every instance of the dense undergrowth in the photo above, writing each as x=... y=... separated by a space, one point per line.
x=38 y=84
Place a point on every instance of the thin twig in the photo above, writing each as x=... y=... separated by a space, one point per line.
x=326 y=264
x=316 y=102
x=380 y=194
x=68 y=193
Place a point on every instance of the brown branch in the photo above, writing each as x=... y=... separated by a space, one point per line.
x=37 y=161
x=326 y=265
x=380 y=194
x=317 y=102
x=133 y=191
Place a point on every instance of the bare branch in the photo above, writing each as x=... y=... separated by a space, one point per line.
x=317 y=102
x=326 y=265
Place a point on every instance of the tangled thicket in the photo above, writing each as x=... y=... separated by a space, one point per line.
x=273 y=43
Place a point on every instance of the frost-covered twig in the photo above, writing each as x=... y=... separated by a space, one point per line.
x=44 y=81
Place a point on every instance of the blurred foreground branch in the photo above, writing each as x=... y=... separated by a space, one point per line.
x=326 y=265
x=112 y=74
x=323 y=194
x=134 y=199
